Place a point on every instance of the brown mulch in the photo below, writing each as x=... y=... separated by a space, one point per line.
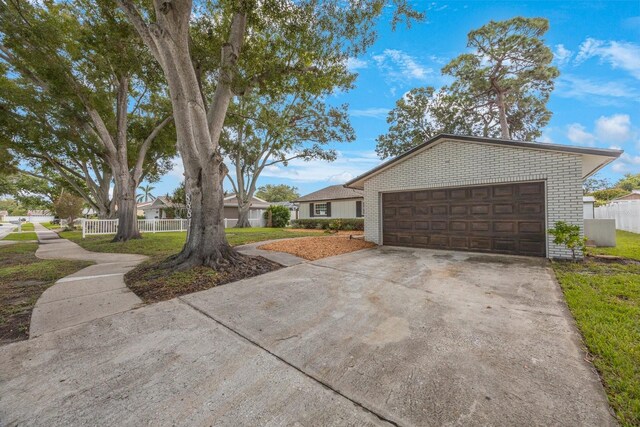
x=313 y=248
x=334 y=233
x=152 y=283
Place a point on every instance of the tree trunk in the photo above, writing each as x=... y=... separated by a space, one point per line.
x=502 y=112
x=197 y=128
x=243 y=215
x=207 y=243
x=127 y=209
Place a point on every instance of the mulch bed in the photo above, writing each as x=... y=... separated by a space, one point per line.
x=152 y=283
x=313 y=248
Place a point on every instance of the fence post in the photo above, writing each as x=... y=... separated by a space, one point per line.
x=84 y=229
x=225 y=223
x=154 y=225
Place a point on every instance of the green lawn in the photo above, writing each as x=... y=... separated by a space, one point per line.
x=23 y=278
x=27 y=226
x=604 y=298
x=165 y=244
x=29 y=235
x=51 y=226
x=627 y=246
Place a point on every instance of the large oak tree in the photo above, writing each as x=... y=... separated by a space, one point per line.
x=83 y=61
x=325 y=26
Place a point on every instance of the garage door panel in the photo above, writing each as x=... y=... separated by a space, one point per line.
x=459 y=242
x=480 y=193
x=480 y=243
x=459 y=210
x=526 y=227
x=480 y=209
x=503 y=218
x=504 y=208
x=442 y=210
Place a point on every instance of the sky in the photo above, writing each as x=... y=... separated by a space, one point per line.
x=596 y=101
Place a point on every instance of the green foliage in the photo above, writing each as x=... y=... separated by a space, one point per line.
x=629 y=182
x=277 y=193
x=594 y=184
x=68 y=206
x=280 y=215
x=146 y=195
x=507 y=78
x=179 y=199
x=604 y=196
x=508 y=75
x=326 y=224
x=13 y=207
x=568 y=235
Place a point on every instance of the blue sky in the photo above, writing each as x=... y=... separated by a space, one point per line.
x=596 y=102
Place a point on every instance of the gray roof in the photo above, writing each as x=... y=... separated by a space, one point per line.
x=333 y=192
x=610 y=153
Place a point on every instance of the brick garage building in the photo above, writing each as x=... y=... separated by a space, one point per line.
x=478 y=194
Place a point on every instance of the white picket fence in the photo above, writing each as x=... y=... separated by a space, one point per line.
x=626 y=214
x=110 y=226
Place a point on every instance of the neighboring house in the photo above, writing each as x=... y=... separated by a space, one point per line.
x=335 y=201
x=478 y=194
x=588 y=206
x=293 y=208
x=140 y=207
x=160 y=208
x=256 y=210
x=634 y=195
x=3 y=214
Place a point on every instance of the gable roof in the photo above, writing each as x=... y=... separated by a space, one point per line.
x=256 y=202
x=594 y=159
x=333 y=192
x=161 y=202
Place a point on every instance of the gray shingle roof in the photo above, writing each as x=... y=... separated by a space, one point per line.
x=333 y=192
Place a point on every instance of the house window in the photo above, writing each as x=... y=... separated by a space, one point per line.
x=320 y=209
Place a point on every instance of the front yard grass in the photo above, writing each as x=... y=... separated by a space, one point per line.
x=627 y=246
x=23 y=278
x=165 y=244
x=51 y=226
x=604 y=298
x=29 y=235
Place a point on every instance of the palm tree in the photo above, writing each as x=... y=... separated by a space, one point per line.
x=146 y=193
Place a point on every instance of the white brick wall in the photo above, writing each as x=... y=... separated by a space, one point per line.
x=456 y=164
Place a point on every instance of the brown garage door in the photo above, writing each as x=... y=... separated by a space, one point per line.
x=507 y=218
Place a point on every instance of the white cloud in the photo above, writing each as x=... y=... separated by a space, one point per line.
x=578 y=135
x=626 y=163
x=623 y=55
x=348 y=165
x=570 y=86
x=398 y=65
x=354 y=64
x=615 y=128
x=562 y=55
x=373 y=112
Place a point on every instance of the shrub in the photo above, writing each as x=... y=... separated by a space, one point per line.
x=280 y=216
x=330 y=224
x=568 y=235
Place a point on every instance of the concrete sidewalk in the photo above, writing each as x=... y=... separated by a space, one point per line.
x=91 y=293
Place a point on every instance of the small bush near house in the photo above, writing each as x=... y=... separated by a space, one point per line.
x=568 y=235
x=330 y=224
x=280 y=216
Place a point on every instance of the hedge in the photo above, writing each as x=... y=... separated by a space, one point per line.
x=330 y=224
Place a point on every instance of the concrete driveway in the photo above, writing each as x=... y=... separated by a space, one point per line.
x=382 y=336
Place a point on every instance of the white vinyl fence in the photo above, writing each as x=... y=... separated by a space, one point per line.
x=626 y=214
x=110 y=226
